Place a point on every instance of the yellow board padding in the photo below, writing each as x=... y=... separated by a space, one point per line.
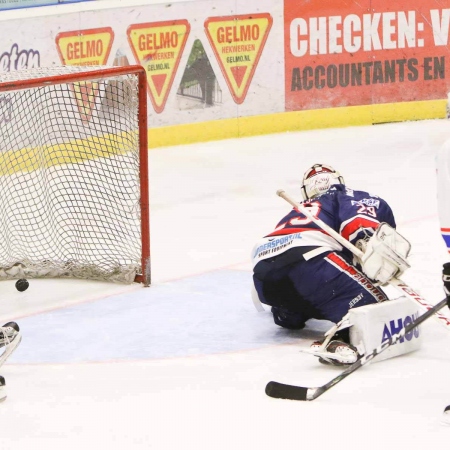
x=296 y=121
x=71 y=152
x=79 y=150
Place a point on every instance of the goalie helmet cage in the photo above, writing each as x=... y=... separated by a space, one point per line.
x=74 y=196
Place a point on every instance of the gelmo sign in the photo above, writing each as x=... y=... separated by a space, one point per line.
x=85 y=48
x=351 y=54
x=238 y=42
x=158 y=47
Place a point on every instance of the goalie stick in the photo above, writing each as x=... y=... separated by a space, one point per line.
x=395 y=282
x=287 y=391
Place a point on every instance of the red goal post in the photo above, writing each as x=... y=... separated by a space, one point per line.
x=74 y=198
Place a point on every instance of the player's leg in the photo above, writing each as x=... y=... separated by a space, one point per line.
x=10 y=338
x=2 y=389
x=8 y=333
x=443 y=190
x=333 y=286
x=446 y=281
x=289 y=309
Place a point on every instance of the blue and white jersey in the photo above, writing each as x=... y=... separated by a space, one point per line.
x=353 y=214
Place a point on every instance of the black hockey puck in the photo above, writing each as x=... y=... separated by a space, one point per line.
x=22 y=285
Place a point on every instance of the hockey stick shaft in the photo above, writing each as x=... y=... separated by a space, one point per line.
x=395 y=282
x=412 y=294
x=280 y=390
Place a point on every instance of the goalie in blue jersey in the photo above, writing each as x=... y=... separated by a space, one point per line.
x=303 y=273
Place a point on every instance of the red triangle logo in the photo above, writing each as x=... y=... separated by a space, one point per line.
x=158 y=82
x=238 y=74
x=85 y=94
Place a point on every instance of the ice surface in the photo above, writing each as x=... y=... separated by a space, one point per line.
x=183 y=364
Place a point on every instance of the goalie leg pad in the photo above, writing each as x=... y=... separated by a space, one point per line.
x=374 y=324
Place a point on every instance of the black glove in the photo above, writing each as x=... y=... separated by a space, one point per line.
x=446 y=280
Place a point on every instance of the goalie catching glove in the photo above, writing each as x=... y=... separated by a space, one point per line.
x=385 y=254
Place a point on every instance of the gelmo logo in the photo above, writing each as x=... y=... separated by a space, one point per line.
x=396 y=325
x=17 y=60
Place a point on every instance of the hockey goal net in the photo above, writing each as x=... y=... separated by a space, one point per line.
x=73 y=174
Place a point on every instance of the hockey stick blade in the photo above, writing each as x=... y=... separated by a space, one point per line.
x=289 y=392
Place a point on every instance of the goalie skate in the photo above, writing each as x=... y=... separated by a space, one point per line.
x=336 y=353
x=8 y=333
x=10 y=338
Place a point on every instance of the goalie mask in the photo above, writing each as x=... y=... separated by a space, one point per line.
x=318 y=179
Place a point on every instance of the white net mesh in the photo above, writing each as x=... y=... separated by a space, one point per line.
x=69 y=178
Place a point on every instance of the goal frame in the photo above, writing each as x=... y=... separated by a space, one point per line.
x=108 y=72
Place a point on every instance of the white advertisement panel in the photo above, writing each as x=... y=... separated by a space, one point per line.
x=205 y=60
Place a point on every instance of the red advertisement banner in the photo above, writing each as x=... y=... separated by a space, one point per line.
x=348 y=53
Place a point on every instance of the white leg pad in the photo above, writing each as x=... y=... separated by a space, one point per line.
x=374 y=324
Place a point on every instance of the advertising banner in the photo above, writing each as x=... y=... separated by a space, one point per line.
x=85 y=48
x=209 y=61
x=158 y=47
x=205 y=60
x=16 y=4
x=348 y=53
x=237 y=42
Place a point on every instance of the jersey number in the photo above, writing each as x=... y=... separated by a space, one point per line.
x=313 y=208
x=369 y=210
